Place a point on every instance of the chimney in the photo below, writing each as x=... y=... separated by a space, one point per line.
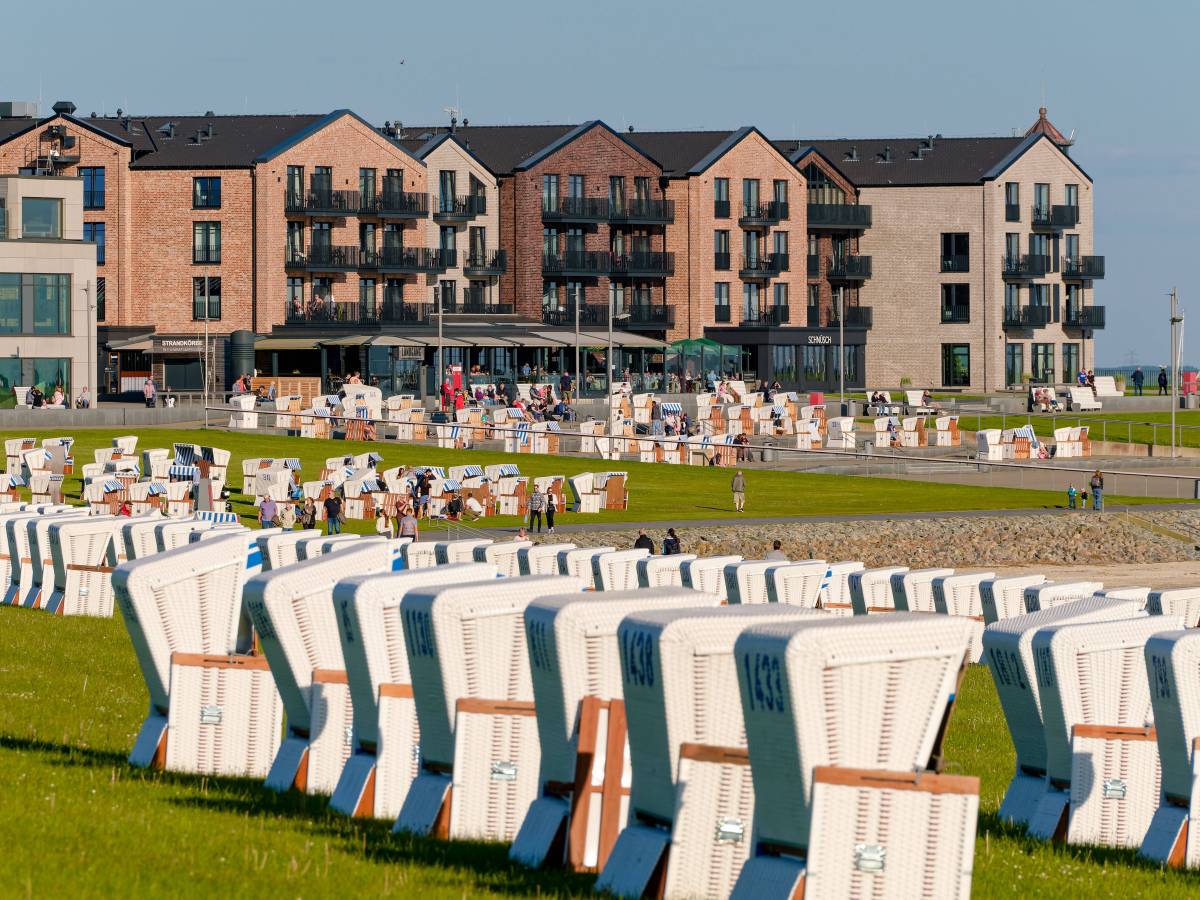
x=208 y=130
x=64 y=108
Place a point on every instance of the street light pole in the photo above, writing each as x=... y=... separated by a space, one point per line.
x=608 y=359
x=1176 y=321
x=207 y=373
x=578 y=374
x=88 y=306
x=842 y=348
x=437 y=292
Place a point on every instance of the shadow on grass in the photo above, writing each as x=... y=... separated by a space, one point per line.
x=370 y=838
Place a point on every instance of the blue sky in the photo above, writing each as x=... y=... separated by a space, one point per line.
x=1123 y=77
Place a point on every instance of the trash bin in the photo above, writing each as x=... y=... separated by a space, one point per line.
x=1189 y=401
x=769 y=453
x=853 y=408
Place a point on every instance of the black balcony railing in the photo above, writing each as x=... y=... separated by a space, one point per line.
x=331 y=258
x=956 y=312
x=1026 y=316
x=1083 y=267
x=814 y=265
x=849 y=268
x=766 y=315
x=330 y=312
x=396 y=311
x=589 y=314
x=575 y=209
x=761 y=215
x=766 y=265
x=484 y=264
x=1085 y=316
x=721 y=211
x=393 y=203
x=721 y=262
x=1012 y=212
x=582 y=263
x=1025 y=266
x=721 y=314
x=647 y=315
x=643 y=211
x=416 y=260
x=319 y=202
x=474 y=302
x=839 y=216
x=460 y=209
x=856 y=317
x=641 y=264
x=959 y=262
x=1055 y=216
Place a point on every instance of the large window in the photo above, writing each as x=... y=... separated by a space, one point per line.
x=721 y=198
x=206 y=242
x=575 y=186
x=750 y=298
x=1043 y=363
x=295 y=295
x=781 y=294
x=100 y=291
x=206 y=193
x=749 y=196
x=93 y=186
x=46 y=372
x=956 y=252
x=206 y=291
x=366 y=186
x=721 y=249
x=956 y=303
x=783 y=362
x=295 y=184
x=447 y=199
x=94 y=231
x=1070 y=363
x=366 y=296
x=721 y=301
x=956 y=365
x=35 y=304
x=41 y=217
x=814 y=363
x=550 y=193
x=780 y=190
x=1012 y=302
x=1012 y=202
x=1041 y=199
x=1014 y=363
x=616 y=191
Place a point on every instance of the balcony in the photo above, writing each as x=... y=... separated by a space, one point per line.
x=1054 y=218
x=956 y=313
x=576 y=263
x=1025 y=266
x=330 y=313
x=958 y=263
x=763 y=267
x=1084 y=317
x=321 y=258
x=416 y=260
x=1026 y=316
x=474 y=302
x=393 y=203
x=479 y=265
x=766 y=315
x=763 y=215
x=589 y=314
x=721 y=262
x=460 y=209
x=397 y=312
x=856 y=317
x=575 y=209
x=814 y=266
x=322 y=203
x=1082 y=267
x=647 y=315
x=838 y=216
x=721 y=314
x=641 y=264
x=849 y=268
x=643 y=211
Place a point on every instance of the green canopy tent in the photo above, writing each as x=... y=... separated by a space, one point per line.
x=691 y=360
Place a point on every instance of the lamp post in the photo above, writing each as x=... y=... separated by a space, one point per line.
x=1176 y=326
x=89 y=307
x=206 y=374
x=842 y=348
x=441 y=374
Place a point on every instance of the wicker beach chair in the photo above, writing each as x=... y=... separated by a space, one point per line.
x=662 y=571
x=912 y=591
x=577 y=563
x=844 y=722
x=173 y=534
x=746 y=581
x=541 y=559
x=213 y=709
x=871 y=590
x=320 y=544
x=293 y=615
x=505 y=556
x=1049 y=594
x=385 y=757
x=1140 y=594
x=1008 y=652
x=796 y=583
x=617 y=570
x=835 y=587
x=582 y=802
x=16 y=565
x=1183 y=602
x=281 y=548
x=707 y=574
x=41 y=557
x=81 y=550
x=419 y=556
x=463 y=551
x=1101 y=755
x=1004 y=598
x=474 y=698
x=960 y=595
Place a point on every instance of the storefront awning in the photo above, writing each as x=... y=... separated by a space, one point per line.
x=286 y=344
x=600 y=339
x=446 y=341
x=143 y=342
x=534 y=340
x=354 y=340
x=483 y=340
x=387 y=340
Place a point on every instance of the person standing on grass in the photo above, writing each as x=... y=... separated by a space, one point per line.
x=333 y=514
x=1138 y=379
x=739 y=491
x=537 y=506
x=267 y=511
x=1097 y=486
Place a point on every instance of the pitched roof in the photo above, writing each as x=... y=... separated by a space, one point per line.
x=949 y=161
x=679 y=151
x=499 y=147
x=577 y=132
x=422 y=149
x=1046 y=127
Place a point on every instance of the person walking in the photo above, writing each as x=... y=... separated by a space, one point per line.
x=643 y=542
x=1097 y=486
x=1162 y=381
x=409 y=527
x=670 y=544
x=551 y=509
x=267 y=511
x=333 y=514
x=1072 y=496
x=148 y=392
x=739 y=491
x=537 y=506
x=1139 y=378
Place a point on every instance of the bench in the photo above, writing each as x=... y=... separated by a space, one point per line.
x=1082 y=398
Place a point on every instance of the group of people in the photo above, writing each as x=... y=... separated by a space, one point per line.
x=1138 y=380
x=37 y=399
x=1078 y=499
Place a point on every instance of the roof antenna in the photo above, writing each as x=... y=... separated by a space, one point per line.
x=451 y=111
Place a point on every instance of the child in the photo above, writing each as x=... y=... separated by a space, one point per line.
x=383 y=525
x=1071 y=495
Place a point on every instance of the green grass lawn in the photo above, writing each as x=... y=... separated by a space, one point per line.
x=1118 y=426
x=81 y=822
x=658 y=493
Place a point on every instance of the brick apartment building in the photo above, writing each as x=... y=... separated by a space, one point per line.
x=945 y=262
